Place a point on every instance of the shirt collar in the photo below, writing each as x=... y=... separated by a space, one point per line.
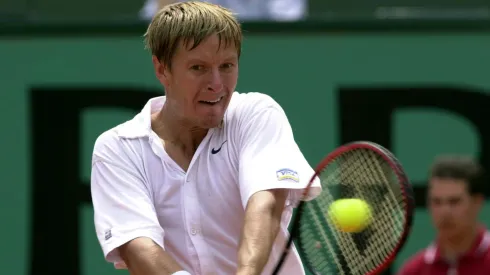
x=481 y=245
x=140 y=125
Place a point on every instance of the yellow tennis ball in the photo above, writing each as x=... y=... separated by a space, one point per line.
x=350 y=215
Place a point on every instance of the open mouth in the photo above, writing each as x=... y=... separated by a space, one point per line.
x=211 y=102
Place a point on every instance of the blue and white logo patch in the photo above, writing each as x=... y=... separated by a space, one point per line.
x=287 y=174
x=107 y=235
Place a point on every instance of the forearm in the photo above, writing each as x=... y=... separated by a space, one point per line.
x=256 y=244
x=144 y=257
x=261 y=225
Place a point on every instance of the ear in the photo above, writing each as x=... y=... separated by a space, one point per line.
x=161 y=71
x=478 y=199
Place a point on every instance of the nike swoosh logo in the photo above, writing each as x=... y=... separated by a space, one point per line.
x=215 y=151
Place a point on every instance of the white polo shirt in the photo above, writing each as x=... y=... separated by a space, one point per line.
x=197 y=216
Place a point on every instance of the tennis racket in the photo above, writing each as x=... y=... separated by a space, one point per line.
x=366 y=171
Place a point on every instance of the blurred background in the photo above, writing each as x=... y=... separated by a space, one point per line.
x=410 y=75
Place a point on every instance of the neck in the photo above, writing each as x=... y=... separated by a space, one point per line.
x=177 y=131
x=459 y=244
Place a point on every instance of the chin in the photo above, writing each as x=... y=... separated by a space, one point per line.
x=449 y=233
x=210 y=123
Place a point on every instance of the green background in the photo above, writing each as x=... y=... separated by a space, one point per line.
x=302 y=71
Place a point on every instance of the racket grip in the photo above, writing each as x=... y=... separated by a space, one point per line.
x=281 y=260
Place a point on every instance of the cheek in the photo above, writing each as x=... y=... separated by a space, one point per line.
x=462 y=212
x=436 y=212
x=185 y=91
x=229 y=79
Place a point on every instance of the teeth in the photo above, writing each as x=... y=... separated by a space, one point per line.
x=217 y=100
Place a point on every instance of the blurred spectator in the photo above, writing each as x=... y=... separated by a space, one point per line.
x=455 y=198
x=246 y=10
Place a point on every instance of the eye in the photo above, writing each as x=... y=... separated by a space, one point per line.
x=454 y=201
x=197 y=67
x=435 y=201
x=227 y=65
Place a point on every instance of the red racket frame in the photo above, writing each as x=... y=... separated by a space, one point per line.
x=407 y=194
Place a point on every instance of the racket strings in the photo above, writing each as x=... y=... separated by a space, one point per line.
x=362 y=174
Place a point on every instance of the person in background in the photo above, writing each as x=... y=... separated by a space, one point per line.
x=455 y=197
x=246 y=10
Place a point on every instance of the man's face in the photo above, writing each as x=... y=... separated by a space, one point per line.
x=452 y=208
x=200 y=82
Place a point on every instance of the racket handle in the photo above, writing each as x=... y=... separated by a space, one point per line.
x=292 y=234
x=281 y=261
x=285 y=253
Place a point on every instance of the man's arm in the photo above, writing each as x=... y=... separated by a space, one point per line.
x=144 y=257
x=262 y=223
x=126 y=223
x=271 y=170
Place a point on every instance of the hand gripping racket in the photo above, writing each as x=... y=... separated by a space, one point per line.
x=366 y=171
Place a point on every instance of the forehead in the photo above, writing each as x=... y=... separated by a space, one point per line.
x=210 y=48
x=447 y=187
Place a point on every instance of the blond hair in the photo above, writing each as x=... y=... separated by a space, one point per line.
x=190 y=23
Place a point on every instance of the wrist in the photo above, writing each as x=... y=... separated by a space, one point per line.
x=246 y=270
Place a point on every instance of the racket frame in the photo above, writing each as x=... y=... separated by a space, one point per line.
x=407 y=194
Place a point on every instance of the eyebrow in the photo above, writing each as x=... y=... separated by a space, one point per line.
x=233 y=58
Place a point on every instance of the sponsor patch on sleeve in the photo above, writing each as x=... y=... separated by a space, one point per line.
x=287 y=174
x=107 y=234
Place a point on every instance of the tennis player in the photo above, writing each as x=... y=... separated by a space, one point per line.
x=455 y=199
x=202 y=180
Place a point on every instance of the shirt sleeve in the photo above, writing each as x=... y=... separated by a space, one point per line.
x=270 y=158
x=404 y=271
x=123 y=208
x=412 y=266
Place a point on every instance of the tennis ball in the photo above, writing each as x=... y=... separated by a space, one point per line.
x=350 y=215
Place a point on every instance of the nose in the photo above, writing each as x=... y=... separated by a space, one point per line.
x=445 y=211
x=215 y=83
